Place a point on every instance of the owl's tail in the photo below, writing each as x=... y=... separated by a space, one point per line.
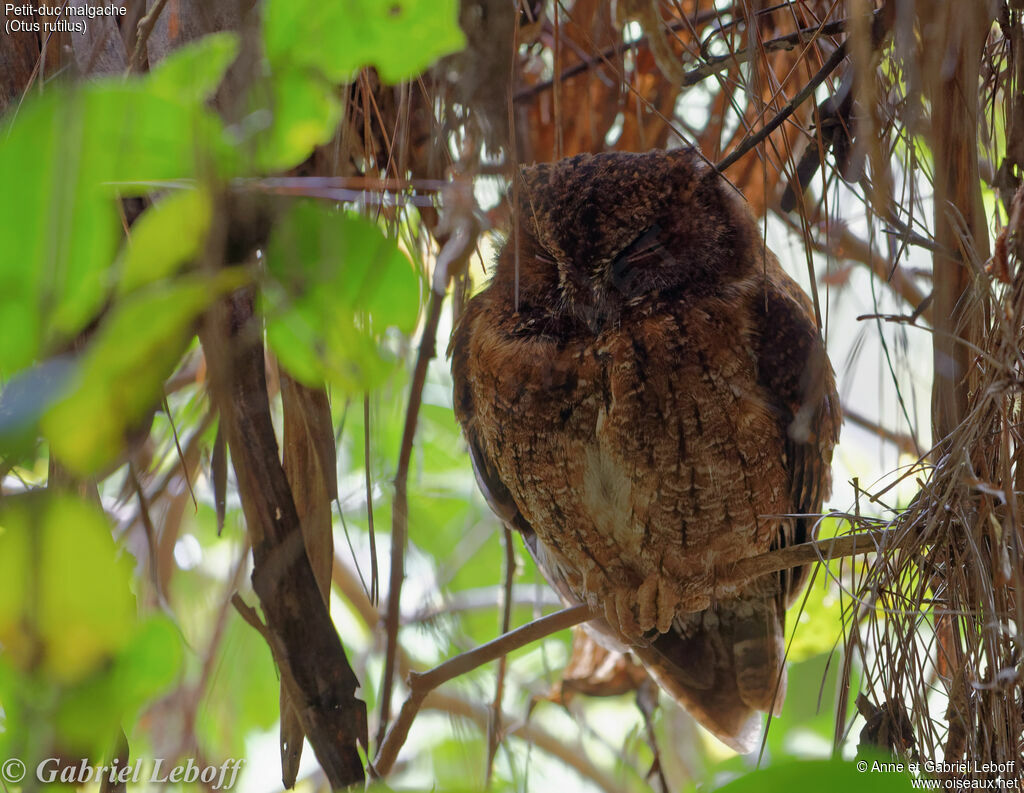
x=725 y=665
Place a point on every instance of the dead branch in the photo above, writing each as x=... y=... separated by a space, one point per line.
x=305 y=644
x=421 y=684
x=400 y=508
x=790 y=107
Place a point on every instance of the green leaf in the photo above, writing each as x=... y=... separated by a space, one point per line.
x=90 y=713
x=400 y=38
x=304 y=114
x=120 y=379
x=65 y=598
x=52 y=267
x=831 y=775
x=64 y=151
x=337 y=283
x=194 y=71
x=165 y=236
x=133 y=137
x=149 y=664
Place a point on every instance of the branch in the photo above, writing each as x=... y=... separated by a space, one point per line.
x=494 y=725
x=400 y=508
x=802 y=96
x=458 y=233
x=822 y=551
x=906 y=444
x=709 y=67
x=303 y=640
x=847 y=246
x=145 y=28
x=422 y=684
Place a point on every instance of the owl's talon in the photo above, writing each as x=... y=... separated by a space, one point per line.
x=625 y=620
x=647 y=604
x=667 y=606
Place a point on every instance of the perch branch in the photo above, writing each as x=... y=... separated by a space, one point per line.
x=421 y=684
x=806 y=553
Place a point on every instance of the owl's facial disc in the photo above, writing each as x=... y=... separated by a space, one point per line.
x=596 y=290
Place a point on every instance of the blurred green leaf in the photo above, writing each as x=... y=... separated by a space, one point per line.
x=400 y=38
x=90 y=713
x=149 y=663
x=120 y=379
x=194 y=71
x=65 y=150
x=133 y=137
x=337 y=284
x=303 y=114
x=814 y=623
x=51 y=270
x=167 y=235
x=65 y=599
x=831 y=775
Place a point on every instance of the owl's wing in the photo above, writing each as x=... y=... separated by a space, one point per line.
x=726 y=664
x=497 y=495
x=794 y=368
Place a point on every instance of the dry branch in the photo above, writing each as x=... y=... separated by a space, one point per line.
x=400 y=508
x=304 y=642
x=421 y=684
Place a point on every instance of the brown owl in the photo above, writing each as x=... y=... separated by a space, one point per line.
x=647 y=400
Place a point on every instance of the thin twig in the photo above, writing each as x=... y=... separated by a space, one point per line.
x=422 y=684
x=193 y=698
x=181 y=454
x=147 y=524
x=248 y=613
x=146 y=25
x=802 y=96
x=374 y=572
x=711 y=65
x=400 y=508
x=907 y=444
x=494 y=725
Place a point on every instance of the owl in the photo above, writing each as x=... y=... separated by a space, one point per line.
x=647 y=400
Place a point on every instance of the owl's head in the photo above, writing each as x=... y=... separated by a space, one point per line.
x=598 y=233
